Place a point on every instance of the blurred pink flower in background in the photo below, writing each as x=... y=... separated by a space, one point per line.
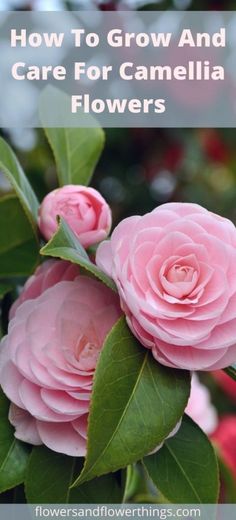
x=226 y=383
x=225 y=439
x=200 y=408
x=175 y=269
x=48 y=358
x=84 y=209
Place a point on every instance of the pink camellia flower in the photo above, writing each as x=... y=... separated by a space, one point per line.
x=175 y=269
x=48 y=359
x=46 y=275
x=84 y=210
x=200 y=408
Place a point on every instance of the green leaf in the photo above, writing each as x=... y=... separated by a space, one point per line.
x=231 y=371
x=65 y=244
x=48 y=477
x=13 y=453
x=135 y=404
x=185 y=470
x=108 y=489
x=76 y=150
x=12 y=169
x=50 y=474
x=19 y=253
x=228 y=480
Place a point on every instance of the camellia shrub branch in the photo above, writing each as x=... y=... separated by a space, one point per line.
x=97 y=355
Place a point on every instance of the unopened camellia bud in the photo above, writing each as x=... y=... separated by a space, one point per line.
x=84 y=209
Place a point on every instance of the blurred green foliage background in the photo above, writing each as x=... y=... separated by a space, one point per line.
x=142 y=168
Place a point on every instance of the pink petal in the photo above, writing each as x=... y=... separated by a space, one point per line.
x=11 y=380
x=81 y=425
x=25 y=425
x=142 y=256
x=181 y=209
x=222 y=336
x=220 y=229
x=104 y=257
x=228 y=358
x=61 y=402
x=218 y=252
x=31 y=398
x=190 y=358
x=168 y=245
x=150 y=234
x=187 y=227
x=187 y=331
x=62 y=438
x=198 y=250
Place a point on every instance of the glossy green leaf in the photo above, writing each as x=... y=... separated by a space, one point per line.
x=185 y=470
x=50 y=474
x=12 y=169
x=108 y=489
x=76 y=150
x=228 y=482
x=231 y=371
x=19 y=253
x=64 y=244
x=135 y=404
x=13 y=453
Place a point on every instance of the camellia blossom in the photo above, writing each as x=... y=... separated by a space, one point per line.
x=83 y=208
x=175 y=269
x=48 y=359
x=200 y=408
